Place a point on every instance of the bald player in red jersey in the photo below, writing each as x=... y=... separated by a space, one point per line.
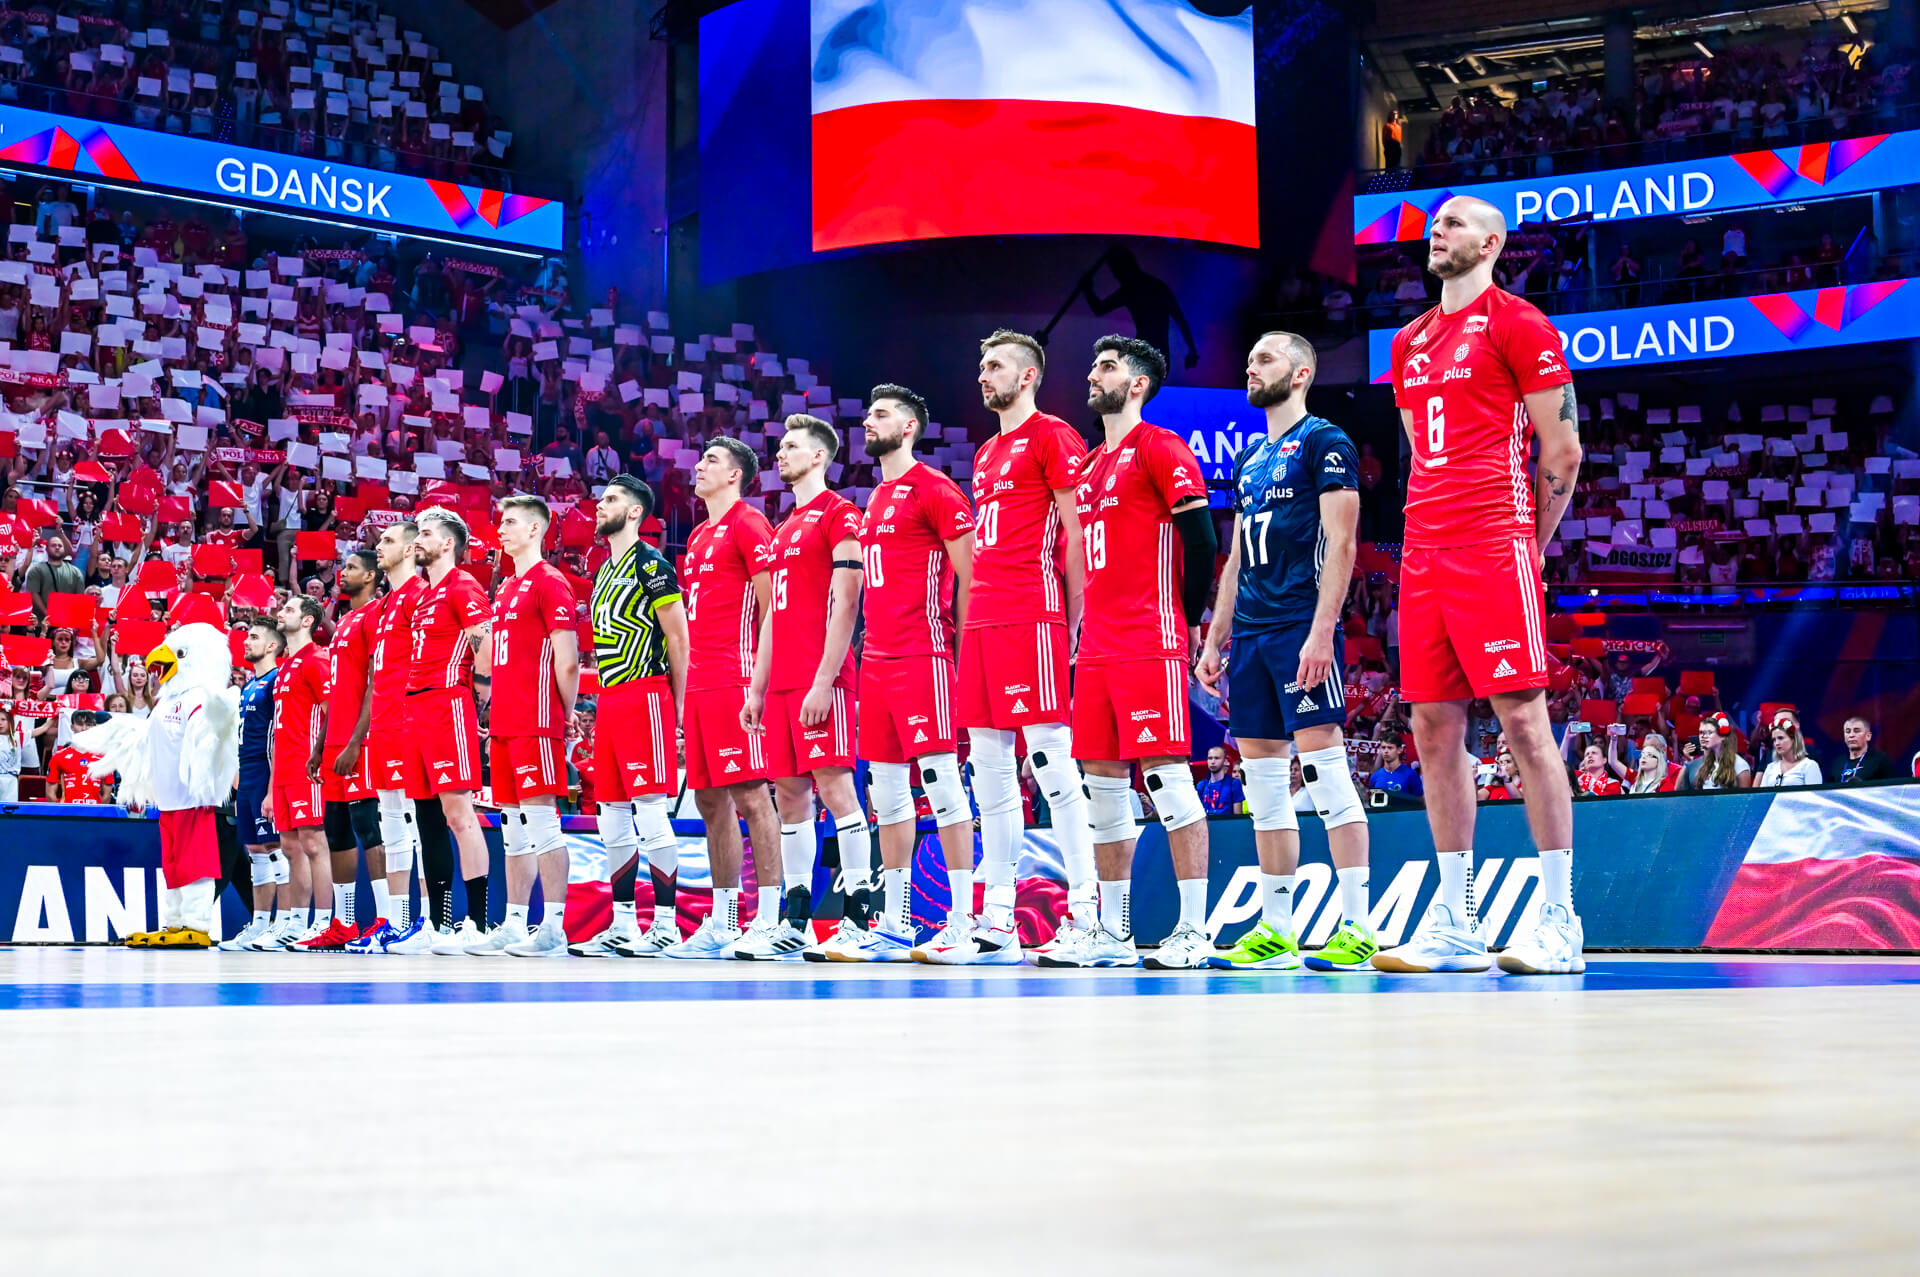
x=803 y=685
x=534 y=678
x=1150 y=547
x=1475 y=378
x=1022 y=606
x=451 y=651
x=916 y=549
x=346 y=767
x=729 y=587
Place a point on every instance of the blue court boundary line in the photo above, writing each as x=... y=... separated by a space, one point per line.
x=1599 y=978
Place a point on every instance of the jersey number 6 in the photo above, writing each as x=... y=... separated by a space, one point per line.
x=1436 y=425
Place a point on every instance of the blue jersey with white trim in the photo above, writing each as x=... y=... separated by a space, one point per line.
x=256 y=721
x=1276 y=493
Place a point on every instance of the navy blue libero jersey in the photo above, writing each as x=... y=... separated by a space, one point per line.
x=1276 y=490
x=256 y=721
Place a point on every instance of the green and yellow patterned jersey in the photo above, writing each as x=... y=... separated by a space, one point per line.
x=627 y=591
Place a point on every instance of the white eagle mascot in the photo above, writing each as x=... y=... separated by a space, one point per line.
x=182 y=760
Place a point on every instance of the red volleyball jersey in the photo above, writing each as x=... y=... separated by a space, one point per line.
x=68 y=768
x=442 y=657
x=393 y=654
x=723 y=619
x=1135 y=565
x=350 y=657
x=909 y=580
x=803 y=589
x=1463 y=377
x=1019 y=548
x=528 y=610
x=299 y=697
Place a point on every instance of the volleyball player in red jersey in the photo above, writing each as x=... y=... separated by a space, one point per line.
x=346 y=770
x=1475 y=377
x=729 y=593
x=802 y=690
x=535 y=676
x=299 y=700
x=1022 y=605
x=407 y=834
x=450 y=653
x=1150 y=547
x=916 y=547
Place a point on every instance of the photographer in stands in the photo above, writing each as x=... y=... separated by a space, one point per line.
x=1862 y=762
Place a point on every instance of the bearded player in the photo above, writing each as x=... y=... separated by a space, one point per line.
x=450 y=654
x=802 y=692
x=729 y=599
x=1023 y=604
x=640 y=653
x=916 y=547
x=1149 y=562
x=299 y=730
x=1282 y=592
x=352 y=816
x=1474 y=378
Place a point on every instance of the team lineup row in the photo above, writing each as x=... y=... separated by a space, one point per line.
x=970 y=611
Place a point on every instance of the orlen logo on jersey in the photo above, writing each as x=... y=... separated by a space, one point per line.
x=1549 y=361
x=1418 y=360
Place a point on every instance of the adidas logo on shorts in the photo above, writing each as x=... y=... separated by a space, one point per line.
x=1306 y=706
x=918 y=737
x=443 y=779
x=1019 y=706
x=732 y=766
x=1504 y=669
x=817 y=753
x=1146 y=734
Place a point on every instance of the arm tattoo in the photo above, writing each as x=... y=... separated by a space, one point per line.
x=1570 y=408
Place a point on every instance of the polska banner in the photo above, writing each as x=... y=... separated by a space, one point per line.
x=1631 y=562
x=259 y=456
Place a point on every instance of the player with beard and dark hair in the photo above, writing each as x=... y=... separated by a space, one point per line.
x=1150 y=543
x=1475 y=378
x=1295 y=526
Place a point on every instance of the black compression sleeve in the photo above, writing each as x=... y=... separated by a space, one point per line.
x=1195 y=527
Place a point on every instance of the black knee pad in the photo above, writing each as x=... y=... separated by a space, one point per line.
x=365 y=813
x=339 y=826
x=436 y=840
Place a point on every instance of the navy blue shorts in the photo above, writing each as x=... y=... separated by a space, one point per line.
x=1263 y=700
x=249 y=821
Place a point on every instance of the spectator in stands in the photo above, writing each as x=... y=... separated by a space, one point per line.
x=603 y=460
x=1504 y=784
x=1395 y=775
x=9 y=759
x=53 y=574
x=67 y=770
x=1790 y=764
x=1591 y=777
x=1221 y=792
x=1719 y=765
x=63 y=661
x=1862 y=762
x=1653 y=774
x=1391 y=135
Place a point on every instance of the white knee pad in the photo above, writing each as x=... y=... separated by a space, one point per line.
x=1110 y=808
x=1329 y=780
x=1174 y=796
x=282 y=867
x=1269 y=786
x=513 y=832
x=653 y=822
x=891 y=791
x=996 y=780
x=940 y=777
x=617 y=832
x=262 y=862
x=1050 y=748
x=394 y=830
x=542 y=822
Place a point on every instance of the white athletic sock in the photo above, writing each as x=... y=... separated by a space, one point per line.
x=517 y=916
x=402 y=906
x=623 y=914
x=1556 y=878
x=895 y=885
x=1353 y=894
x=1276 y=902
x=960 y=883
x=1000 y=893
x=767 y=906
x=726 y=907
x=1116 y=904
x=343 y=901
x=322 y=918
x=856 y=851
x=382 y=898
x=1455 y=866
x=556 y=914
x=262 y=915
x=799 y=849
x=1193 y=903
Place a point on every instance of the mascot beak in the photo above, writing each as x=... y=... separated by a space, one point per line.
x=162 y=664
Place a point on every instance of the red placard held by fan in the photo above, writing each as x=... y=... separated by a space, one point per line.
x=138 y=637
x=91 y=472
x=314 y=547
x=157 y=575
x=15 y=609
x=176 y=509
x=212 y=560
x=138 y=500
x=252 y=590
x=35 y=512
x=248 y=561
x=72 y=611
x=225 y=494
x=26 y=649
x=115 y=526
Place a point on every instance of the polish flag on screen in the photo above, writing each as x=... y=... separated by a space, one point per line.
x=936 y=118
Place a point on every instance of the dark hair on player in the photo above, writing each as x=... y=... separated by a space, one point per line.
x=365 y=558
x=311 y=609
x=823 y=434
x=1300 y=351
x=1033 y=352
x=408 y=528
x=1142 y=357
x=1393 y=739
x=916 y=406
x=272 y=632
x=745 y=459
x=636 y=488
